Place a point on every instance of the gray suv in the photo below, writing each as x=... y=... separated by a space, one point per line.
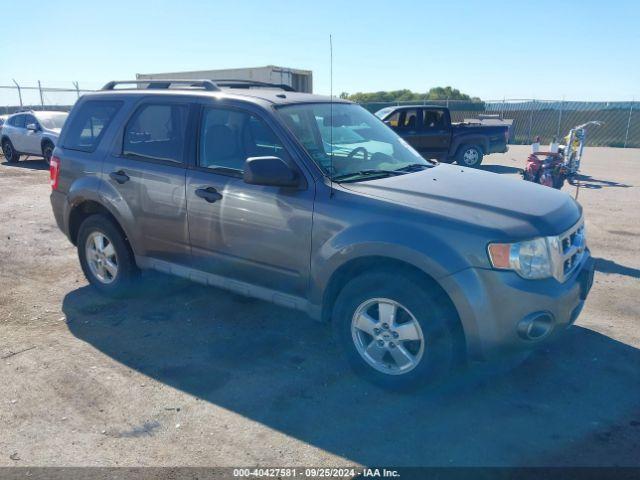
x=315 y=204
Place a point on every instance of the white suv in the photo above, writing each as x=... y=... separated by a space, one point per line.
x=31 y=133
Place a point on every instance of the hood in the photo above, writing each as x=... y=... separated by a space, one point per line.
x=54 y=131
x=517 y=208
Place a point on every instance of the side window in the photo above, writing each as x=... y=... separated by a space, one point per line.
x=29 y=119
x=18 y=121
x=228 y=137
x=394 y=120
x=409 y=119
x=433 y=119
x=88 y=125
x=157 y=131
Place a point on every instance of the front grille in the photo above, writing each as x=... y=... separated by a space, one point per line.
x=568 y=250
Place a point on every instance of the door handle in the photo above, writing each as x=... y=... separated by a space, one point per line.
x=210 y=194
x=119 y=176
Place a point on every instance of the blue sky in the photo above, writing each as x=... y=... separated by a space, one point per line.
x=583 y=50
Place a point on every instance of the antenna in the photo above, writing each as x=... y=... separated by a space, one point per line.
x=331 y=115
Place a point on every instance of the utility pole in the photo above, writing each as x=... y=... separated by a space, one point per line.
x=19 y=91
x=41 y=97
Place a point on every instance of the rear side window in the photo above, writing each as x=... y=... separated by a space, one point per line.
x=89 y=124
x=434 y=119
x=17 y=121
x=157 y=131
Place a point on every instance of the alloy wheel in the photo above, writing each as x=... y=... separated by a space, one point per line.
x=387 y=336
x=470 y=157
x=101 y=257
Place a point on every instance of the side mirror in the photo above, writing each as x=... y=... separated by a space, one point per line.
x=387 y=123
x=270 y=171
x=32 y=126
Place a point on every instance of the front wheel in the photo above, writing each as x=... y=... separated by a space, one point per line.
x=105 y=256
x=393 y=332
x=469 y=156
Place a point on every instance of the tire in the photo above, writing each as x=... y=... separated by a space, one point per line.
x=47 y=151
x=469 y=156
x=413 y=304
x=9 y=152
x=98 y=265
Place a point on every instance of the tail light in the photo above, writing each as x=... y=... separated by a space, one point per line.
x=54 y=172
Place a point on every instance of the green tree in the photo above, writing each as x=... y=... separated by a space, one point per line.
x=406 y=95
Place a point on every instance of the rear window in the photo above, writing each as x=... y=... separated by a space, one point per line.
x=89 y=123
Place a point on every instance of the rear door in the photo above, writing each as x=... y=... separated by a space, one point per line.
x=17 y=131
x=256 y=234
x=435 y=132
x=147 y=171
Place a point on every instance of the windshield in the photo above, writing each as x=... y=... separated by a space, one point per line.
x=347 y=141
x=52 y=120
x=383 y=113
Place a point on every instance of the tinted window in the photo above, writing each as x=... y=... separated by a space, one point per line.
x=88 y=125
x=29 y=119
x=18 y=121
x=408 y=119
x=157 y=131
x=394 y=120
x=229 y=137
x=434 y=119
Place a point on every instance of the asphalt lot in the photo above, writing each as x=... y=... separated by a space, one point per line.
x=189 y=375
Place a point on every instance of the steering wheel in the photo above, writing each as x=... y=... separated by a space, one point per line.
x=365 y=153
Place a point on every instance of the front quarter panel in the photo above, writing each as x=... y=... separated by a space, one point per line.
x=348 y=226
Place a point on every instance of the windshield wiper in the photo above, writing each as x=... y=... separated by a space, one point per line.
x=413 y=167
x=355 y=176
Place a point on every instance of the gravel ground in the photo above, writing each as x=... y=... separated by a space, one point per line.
x=195 y=376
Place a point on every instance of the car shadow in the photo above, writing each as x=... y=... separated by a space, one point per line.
x=608 y=266
x=587 y=181
x=31 y=163
x=500 y=169
x=280 y=368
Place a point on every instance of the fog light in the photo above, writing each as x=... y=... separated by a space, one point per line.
x=535 y=326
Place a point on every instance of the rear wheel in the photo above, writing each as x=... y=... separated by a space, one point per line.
x=105 y=256
x=393 y=332
x=469 y=156
x=47 y=151
x=9 y=152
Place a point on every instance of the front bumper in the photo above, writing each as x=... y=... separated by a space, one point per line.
x=496 y=307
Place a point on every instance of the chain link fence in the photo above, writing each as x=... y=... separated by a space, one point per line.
x=530 y=118
x=548 y=118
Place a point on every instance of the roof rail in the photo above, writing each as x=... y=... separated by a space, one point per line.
x=163 y=84
x=237 y=83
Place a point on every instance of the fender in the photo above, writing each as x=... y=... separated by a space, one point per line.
x=471 y=139
x=403 y=242
x=93 y=188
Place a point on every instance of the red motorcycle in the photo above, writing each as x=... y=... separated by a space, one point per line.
x=546 y=168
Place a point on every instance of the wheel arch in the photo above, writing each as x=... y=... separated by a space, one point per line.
x=84 y=209
x=357 y=266
x=471 y=141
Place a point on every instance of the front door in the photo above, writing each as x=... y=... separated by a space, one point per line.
x=256 y=234
x=32 y=138
x=148 y=172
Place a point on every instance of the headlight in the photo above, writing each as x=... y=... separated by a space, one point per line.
x=529 y=259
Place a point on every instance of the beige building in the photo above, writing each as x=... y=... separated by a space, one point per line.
x=299 y=80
